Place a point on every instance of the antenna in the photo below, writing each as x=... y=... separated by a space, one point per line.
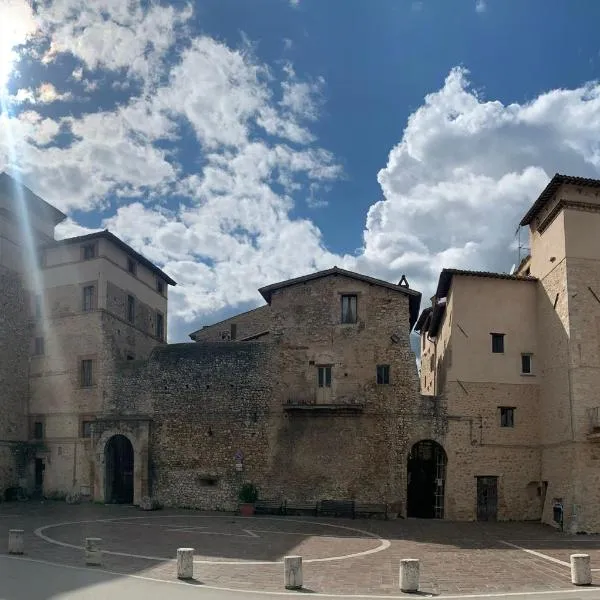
x=522 y=249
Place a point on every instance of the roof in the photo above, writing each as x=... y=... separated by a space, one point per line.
x=551 y=189
x=422 y=318
x=414 y=296
x=107 y=235
x=233 y=317
x=35 y=203
x=446 y=278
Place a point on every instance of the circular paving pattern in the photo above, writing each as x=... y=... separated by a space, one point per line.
x=219 y=540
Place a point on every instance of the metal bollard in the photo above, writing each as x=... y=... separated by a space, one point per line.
x=16 y=541
x=581 y=571
x=292 y=572
x=185 y=563
x=409 y=574
x=93 y=553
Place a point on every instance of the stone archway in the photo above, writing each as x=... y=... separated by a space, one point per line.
x=104 y=448
x=426 y=471
x=119 y=468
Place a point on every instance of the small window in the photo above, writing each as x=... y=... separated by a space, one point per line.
x=383 y=374
x=324 y=376
x=160 y=285
x=160 y=327
x=526 y=364
x=349 y=308
x=233 y=331
x=131 y=266
x=88 y=298
x=38 y=306
x=39 y=346
x=38 y=430
x=87 y=373
x=507 y=416
x=89 y=251
x=130 y=357
x=130 y=309
x=497 y=343
x=86 y=429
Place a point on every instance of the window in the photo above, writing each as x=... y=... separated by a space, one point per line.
x=324 y=374
x=39 y=346
x=497 y=343
x=160 y=285
x=38 y=430
x=383 y=374
x=160 y=328
x=38 y=306
x=88 y=298
x=131 y=266
x=130 y=357
x=507 y=416
x=87 y=373
x=233 y=331
x=86 y=429
x=130 y=309
x=89 y=251
x=526 y=364
x=349 y=308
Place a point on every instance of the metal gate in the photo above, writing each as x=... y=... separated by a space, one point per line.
x=487 y=498
x=440 y=481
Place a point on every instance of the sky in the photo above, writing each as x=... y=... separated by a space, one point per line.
x=237 y=143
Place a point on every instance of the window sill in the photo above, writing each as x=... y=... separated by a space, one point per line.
x=527 y=374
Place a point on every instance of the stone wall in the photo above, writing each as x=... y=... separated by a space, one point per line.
x=14 y=371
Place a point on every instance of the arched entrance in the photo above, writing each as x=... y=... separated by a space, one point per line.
x=426 y=480
x=119 y=470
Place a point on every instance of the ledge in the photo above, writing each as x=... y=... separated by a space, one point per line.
x=316 y=408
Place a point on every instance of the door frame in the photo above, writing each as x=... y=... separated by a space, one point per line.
x=489 y=511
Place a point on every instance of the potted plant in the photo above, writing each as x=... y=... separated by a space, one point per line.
x=248 y=495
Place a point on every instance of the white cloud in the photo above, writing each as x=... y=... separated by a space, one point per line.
x=480 y=6
x=46 y=93
x=294 y=3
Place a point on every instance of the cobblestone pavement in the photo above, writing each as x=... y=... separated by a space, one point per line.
x=456 y=558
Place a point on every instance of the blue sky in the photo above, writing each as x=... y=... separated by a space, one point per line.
x=241 y=142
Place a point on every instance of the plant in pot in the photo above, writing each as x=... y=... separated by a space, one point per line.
x=248 y=495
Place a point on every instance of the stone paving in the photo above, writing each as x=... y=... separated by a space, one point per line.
x=243 y=553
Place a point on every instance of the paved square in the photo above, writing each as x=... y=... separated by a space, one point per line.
x=340 y=556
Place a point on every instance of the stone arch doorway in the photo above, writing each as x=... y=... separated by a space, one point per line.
x=119 y=465
x=426 y=472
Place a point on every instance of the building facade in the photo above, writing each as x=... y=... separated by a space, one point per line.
x=516 y=361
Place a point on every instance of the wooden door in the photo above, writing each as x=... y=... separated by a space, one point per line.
x=487 y=498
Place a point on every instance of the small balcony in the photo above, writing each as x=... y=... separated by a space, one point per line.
x=324 y=400
x=594 y=424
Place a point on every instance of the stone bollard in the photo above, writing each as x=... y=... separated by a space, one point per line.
x=16 y=541
x=409 y=575
x=185 y=563
x=581 y=572
x=93 y=553
x=292 y=572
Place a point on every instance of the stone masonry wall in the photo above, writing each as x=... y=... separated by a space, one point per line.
x=14 y=371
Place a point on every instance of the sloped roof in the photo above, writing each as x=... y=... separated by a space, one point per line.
x=414 y=296
x=446 y=275
x=550 y=190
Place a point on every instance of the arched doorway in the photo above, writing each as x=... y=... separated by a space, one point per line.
x=119 y=470
x=426 y=480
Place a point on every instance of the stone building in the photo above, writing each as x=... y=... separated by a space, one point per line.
x=515 y=360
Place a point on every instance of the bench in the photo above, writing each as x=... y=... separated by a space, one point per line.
x=300 y=508
x=337 y=508
x=365 y=509
x=269 y=507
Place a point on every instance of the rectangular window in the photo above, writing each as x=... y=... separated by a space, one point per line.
x=86 y=429
x=87 y=373
x=131 y=266
x=507 y=416
x=349 y=308
x=38 y=430
x=39 y=346
x=38 y=306
x=88 y=298
x=324 y=374
x=526 y=364
x=130 y=309
x=497 y=343
x=233 y=331
x=160 y=328
x=130 y=357
x=383 y=374
x=160 y=285
x=89 y=251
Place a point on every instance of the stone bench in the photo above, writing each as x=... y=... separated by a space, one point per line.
x=337 y=508
x=269 y=507
x=365 y=509
x=300 y=508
